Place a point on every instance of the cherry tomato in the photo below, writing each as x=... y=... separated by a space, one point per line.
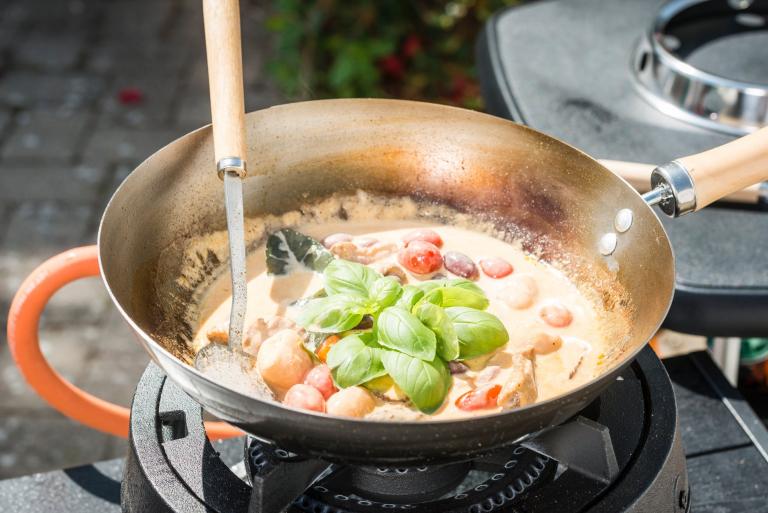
x=479 y=398
x=351 y=402
x=460 y=265
x=424 y=234
x=322 y=351
x=320 y=378
x=304 y=397
x=420 y=257
x=520 y=292
x=496 y=267
x=556 y=315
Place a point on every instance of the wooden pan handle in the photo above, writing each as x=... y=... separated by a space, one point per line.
x=728 y=168
x=638 y=175
x=225 y=77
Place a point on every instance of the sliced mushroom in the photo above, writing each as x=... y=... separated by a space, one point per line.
x=392 y=270
x=516 y=376
x=364 y=255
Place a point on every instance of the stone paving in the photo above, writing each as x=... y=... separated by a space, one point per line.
x=88 y=89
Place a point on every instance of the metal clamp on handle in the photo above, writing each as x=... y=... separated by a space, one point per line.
x=233 y=165
x=672 y=189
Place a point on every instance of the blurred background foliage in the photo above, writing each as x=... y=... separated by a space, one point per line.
x=420 y=49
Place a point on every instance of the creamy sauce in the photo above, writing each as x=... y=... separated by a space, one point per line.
x=556 y=373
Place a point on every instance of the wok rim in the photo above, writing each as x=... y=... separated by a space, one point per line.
x=327 y=419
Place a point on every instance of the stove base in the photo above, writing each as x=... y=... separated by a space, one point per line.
x=633 y=462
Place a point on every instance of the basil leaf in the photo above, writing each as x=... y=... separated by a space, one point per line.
x=288 y=248
x=460 y=296
x=353 y=362
x=478 y=332
x=345 y=277
x=437 y=320
x=465 y=284
x=385 y=292
x=426 y=383
x=332 y=314
x=399 y=329
x=411 y=295
x=427 y=286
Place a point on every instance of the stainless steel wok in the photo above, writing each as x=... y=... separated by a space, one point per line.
x=562 y=201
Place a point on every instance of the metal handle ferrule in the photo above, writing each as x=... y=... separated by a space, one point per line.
x=233 y=165
x=672 y=188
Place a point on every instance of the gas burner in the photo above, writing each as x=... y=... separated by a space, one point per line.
x=675 y=76
x=608 y=458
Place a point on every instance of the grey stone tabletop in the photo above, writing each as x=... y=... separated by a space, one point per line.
x=88 y=89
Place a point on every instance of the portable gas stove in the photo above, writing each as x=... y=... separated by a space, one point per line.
x=592 y=463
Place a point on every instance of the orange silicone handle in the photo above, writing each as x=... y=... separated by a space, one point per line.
x=23 y=325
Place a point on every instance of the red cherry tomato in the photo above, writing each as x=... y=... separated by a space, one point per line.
x=420 y=257
x=556 y=315
x=496 y=267
x=424 y=234
x=304 y=397
x=320 y=378
x=479 y=398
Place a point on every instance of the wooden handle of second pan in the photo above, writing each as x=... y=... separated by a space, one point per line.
x=726 y=169
x=225 y=77
x=639 y=176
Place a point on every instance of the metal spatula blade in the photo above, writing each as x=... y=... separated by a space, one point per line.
x=229 y=364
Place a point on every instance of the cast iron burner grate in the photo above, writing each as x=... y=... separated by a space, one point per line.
x=621 y=454
x=492 y=483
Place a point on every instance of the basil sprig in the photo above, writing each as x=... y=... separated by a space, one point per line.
x=416 y=329
x=402 y=331
x=354 y=360
x=478 y=332
x=426 y=383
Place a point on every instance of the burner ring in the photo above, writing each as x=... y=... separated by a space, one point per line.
x=683 y=91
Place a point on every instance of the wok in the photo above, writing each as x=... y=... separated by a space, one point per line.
x=156 y=252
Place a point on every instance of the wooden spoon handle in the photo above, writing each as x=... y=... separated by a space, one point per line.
x=638 y=176
x=724 y=170
x=225 y=77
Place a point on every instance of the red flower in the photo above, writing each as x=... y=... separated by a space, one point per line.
x=130 y=96
x=411 y=46
x=391 y=66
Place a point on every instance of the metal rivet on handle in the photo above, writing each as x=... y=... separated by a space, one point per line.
x=607 y=243
x=623 y=220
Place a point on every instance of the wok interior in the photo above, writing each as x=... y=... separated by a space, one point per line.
x=163 y=239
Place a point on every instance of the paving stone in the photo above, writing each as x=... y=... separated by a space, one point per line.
x=194 y=111
x=44 y=227
x=138 y=59
x=151 y=108
x=65 y=91
x=46 y=441
x=126 y=146
x=22 y=181
x=113 y=376
x=49 y=51
x=5 y=120
x=65 y=16
x=45 y=136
